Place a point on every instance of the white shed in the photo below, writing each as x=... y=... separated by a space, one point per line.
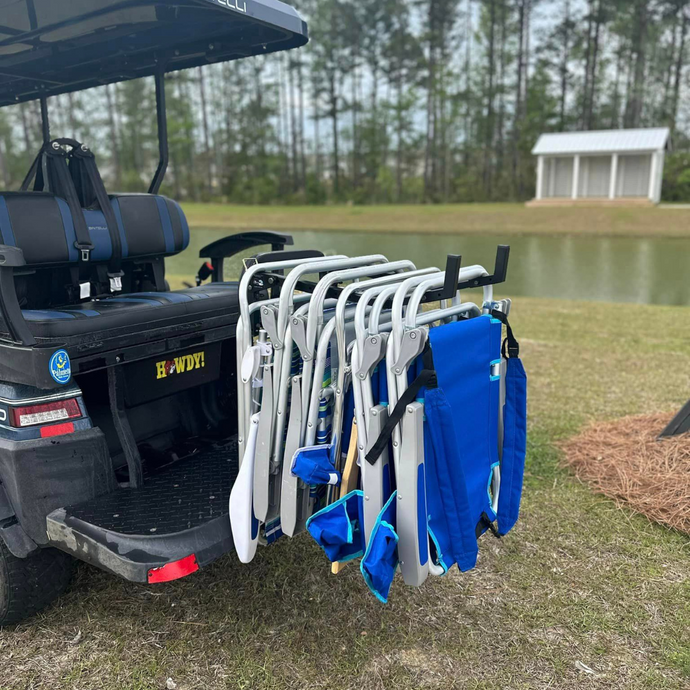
x=612 y=165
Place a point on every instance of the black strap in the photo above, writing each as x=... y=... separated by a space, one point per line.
x=56 y=164
x=60 y=183
x=484 y=525
x=510 y=343
x=34 y=171
x=57 y=161
x=86 y=163
x=425 y=379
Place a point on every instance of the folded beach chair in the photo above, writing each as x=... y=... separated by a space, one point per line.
x=266 y=481
x=250 y=500
x=446 y=473
x=378 y=480
x=409 y=449
x=294 y=505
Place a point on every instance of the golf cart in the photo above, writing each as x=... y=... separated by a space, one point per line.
x=116 y=394
x=148 y=431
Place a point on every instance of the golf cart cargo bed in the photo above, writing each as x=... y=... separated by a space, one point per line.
x=180 y=511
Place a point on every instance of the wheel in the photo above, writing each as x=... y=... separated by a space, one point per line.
x=28 y=585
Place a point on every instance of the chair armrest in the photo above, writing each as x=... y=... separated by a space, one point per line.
x=234 y=244
x=228 y=246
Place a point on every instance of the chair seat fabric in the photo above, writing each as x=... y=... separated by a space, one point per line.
x=461 y=437
x=153 y=309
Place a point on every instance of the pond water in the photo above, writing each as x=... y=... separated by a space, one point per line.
x=643 y=270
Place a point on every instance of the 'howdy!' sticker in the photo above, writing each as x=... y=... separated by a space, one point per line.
x=180 y=365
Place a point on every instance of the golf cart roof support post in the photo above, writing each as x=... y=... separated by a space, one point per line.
x=45 y=122
x=162 y=121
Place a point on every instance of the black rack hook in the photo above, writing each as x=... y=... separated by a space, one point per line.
x=452 y=282
x=499 y=274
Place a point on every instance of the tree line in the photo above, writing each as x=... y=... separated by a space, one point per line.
x=392 y=101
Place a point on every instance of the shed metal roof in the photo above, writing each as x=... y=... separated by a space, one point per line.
x=605 y=141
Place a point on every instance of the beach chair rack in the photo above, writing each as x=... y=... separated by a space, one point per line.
x=325 y=330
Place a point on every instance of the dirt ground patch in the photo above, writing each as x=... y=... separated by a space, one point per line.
x=624 y=460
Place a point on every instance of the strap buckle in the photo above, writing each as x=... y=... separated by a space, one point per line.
x=84 y=290
x=115 y=281
x=81 y=151
x=85 y=248
x=53 y=148
x=510 y=344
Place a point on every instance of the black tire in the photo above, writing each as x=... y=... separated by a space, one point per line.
x=28 y=585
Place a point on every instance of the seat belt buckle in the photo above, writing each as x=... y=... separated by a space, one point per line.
x=115 y=281
x=84 y=290
x=85 y=249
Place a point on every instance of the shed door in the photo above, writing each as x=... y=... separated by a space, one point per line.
x=595 y=173
x=559 y=177
x=633 y=175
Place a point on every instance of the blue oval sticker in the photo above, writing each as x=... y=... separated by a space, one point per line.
x=59 y=366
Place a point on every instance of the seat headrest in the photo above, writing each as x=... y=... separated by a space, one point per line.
x=41 y=224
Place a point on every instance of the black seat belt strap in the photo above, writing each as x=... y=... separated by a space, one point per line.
x=60 y=184
x=84 y=155
x=58 y=161
x=35 y=173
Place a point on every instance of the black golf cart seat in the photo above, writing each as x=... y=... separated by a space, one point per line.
x=151 y=228
x=43 y=311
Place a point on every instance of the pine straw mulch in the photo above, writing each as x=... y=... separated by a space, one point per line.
x=624 y=461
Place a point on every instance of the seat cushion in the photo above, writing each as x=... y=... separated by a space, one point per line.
x=150 y=309
x=41 y=224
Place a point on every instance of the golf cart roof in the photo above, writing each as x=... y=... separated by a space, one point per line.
x=49 y=47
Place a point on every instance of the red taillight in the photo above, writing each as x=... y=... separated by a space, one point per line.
x=174 y=570
x=57 y=430
x=44 y=413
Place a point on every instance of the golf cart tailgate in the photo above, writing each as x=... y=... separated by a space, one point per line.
x=180 y=511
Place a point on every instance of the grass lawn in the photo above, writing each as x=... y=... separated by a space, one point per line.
x=577 y=582
x=465 y=218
